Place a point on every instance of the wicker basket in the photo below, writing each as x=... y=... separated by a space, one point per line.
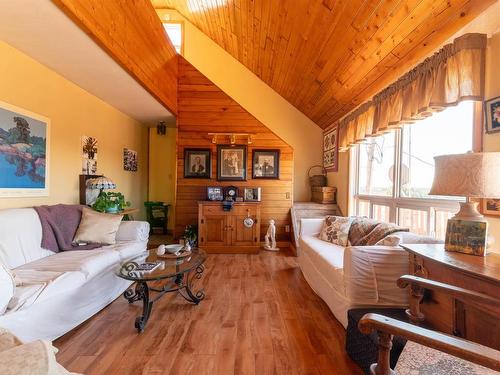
x=318 y=180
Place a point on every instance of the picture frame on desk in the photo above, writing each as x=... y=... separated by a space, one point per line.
x=252 y=194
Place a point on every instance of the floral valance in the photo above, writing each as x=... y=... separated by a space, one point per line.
x=453 y=74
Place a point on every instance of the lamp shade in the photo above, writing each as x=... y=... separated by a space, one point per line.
x=101 y=183
x=475 y=175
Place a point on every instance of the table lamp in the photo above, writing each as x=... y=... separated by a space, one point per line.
x=470 y=175
x=95 y=186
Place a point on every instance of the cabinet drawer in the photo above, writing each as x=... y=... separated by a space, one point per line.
x=213 y=210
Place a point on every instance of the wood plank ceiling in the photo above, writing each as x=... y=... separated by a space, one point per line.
x=328 y=56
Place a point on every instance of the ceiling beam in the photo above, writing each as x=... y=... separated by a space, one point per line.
x=133 y=35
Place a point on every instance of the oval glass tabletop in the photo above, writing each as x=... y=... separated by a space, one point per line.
x=166 y=269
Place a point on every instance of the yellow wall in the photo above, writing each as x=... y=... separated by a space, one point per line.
x=340 y=180
x=162 y=169
x=73 y=112
x=257 y=98
x=491 y=142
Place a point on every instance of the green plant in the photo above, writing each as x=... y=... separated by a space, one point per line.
x=191 y=234
x=111 y=201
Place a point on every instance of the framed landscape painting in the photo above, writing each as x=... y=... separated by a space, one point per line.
x=24 y=152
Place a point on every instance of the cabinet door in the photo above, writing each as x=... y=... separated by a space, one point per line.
x=214 y=230
x=240 y=234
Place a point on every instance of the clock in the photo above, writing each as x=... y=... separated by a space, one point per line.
x=230 y=193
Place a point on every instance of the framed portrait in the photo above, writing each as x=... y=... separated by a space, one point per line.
x=252 y=194
x=197 y=163
x=492 y=109
x=331 y=149
x=266 y=164
x=215 y=193
x=24 y=153
x=490 y=207
x=231 y=163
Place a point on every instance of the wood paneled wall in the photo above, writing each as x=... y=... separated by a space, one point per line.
x=133 y=35
x=203 y=108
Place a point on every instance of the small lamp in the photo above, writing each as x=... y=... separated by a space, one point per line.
x=471 y=175
x=95 y=186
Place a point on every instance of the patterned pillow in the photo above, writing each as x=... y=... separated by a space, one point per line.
x=390 y=240
x=336 y=230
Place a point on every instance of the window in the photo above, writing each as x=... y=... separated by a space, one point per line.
x=175 y=33
x=393 y=173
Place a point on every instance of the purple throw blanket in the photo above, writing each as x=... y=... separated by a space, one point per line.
x=59 y=225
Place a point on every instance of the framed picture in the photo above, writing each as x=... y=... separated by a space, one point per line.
x=197 y=163
x=492 y=109
x=129 y=160
x=231 y=163
x=24 y=153
x=214 y=193
x=252 y=194
x=331 y=149
x=490 y=207
x=468 y=237
x=266 y=164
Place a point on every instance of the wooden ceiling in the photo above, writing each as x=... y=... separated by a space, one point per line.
x=328 y=56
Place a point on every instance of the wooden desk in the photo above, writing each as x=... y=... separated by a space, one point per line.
x=445 y=314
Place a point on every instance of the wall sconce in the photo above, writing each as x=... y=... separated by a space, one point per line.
x=161 y=128
x=233 y=137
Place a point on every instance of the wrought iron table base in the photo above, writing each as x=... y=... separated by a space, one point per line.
x=182 y=284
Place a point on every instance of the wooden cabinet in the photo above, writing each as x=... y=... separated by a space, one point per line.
x=446 y=314
x=222 y=231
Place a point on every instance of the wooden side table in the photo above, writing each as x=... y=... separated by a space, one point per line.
x=446 y=314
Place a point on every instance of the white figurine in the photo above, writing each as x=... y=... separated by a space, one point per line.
x=270 y=237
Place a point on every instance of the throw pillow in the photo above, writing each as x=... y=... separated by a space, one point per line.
x=96 y=227
x=336 y=230
x=7 y=287
x=390 y=240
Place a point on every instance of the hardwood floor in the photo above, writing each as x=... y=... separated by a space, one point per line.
x=259 y=317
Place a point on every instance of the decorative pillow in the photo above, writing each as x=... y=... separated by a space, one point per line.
x=336 y=230
x=96 y=227
x=7 y=287
x=390 y=240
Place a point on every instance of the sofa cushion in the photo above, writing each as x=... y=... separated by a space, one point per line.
x=412 y=238
x=127 y=249
x=7 y=287
x=367 y=232
x=328 y=259
x=336 y=230
x=390 y=240
x=20 y=237
x=35 y=286
x=90 y=262
x=96 y=227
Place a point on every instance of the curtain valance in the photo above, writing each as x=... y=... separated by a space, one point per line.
x=453 y=74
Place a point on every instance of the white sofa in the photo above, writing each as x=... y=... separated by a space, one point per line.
x=56 y=292
x=354 y=276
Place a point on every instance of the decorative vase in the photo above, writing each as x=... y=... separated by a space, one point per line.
x=112 y=210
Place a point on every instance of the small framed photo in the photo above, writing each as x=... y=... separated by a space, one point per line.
x=492 y=109
x=252 y=194
x=468 y=237
x=197 y=163
x=231 y=163
x=214 y=193
x=490 y=207
x=266 y=164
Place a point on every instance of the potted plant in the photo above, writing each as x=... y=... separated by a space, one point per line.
x=110 y=202
x=191 y=234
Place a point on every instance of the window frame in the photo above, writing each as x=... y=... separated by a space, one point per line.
x=181 y=23
x=395 y=201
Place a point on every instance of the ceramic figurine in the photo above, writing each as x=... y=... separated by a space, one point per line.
x=270 y=237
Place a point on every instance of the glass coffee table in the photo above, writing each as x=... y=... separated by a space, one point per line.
x=173 y=275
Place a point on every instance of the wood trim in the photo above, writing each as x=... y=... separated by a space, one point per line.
x=132 y=34
x=477 y=137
